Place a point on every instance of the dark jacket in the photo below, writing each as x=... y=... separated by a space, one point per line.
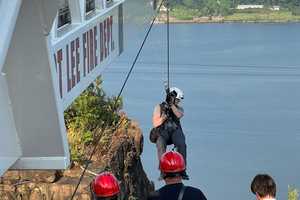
x=171 y=192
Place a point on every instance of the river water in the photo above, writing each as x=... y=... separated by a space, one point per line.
x=242 y=101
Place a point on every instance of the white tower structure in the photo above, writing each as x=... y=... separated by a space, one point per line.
x=50 y=51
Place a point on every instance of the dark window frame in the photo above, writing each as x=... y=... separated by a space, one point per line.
x=64 y=16
x=109 y=2
x=90 y=6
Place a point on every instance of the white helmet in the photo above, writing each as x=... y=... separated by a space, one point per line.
x=179 y=93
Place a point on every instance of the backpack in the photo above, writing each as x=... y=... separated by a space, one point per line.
x=155 y=131
x=154 y=134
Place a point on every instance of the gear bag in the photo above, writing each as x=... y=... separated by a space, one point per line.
x=154 y=134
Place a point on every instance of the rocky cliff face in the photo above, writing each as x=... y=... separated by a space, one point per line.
x=121 y=157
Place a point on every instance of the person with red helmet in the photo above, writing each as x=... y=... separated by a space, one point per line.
x=172 y=167
x=105 y=187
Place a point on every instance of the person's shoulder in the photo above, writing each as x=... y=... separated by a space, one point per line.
x=154 y=195
x=195 y=192
x=159 y=105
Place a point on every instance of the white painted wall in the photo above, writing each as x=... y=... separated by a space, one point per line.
x=32 y=125
x=39 y=124
x=7 y=24
x=9 y=143
x=62 y=40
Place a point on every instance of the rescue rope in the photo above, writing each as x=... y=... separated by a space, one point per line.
x=168 y=43
x=88 y=171
x=108 y=124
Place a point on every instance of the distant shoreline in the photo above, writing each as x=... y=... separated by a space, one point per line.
x=219 y=19
x=198 y=20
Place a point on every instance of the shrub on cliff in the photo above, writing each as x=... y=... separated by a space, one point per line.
x=92 y=110
x=293 y=194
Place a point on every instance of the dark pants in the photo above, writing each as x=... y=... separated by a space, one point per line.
x=171 y=136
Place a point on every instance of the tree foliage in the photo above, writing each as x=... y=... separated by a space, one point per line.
x=91 y=111
x=293 y=194
x=226 y=7
x=203 y=7
x=282 y=3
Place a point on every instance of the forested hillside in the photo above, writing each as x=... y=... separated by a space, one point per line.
x=284 y=3
x=198 y=8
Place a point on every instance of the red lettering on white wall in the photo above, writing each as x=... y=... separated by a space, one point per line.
x=84 y=46
x=111 y=33
x=75 y=72
x=73 y=63
x=107 y=36
x=55 y=62
x=88 y=51
x=68 y=69
x=101 y=42
x=95 y=45
x=91 y=48
x=77 y=60
x=59 y=63
x=105 y=39
x=83 y=53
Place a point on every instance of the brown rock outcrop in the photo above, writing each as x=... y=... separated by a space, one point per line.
x=122 y=157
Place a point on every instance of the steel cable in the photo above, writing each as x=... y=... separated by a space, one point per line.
x=108 y=124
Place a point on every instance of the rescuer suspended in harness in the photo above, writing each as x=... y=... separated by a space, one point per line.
x=166 y=122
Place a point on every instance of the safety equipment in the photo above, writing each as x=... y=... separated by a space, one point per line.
x=177 y=92
x=105 y=185
x=172 y=162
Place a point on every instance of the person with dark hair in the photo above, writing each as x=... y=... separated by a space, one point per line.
x=105 y=187
x=172 y=167
x=264 y=187
x=166 y=122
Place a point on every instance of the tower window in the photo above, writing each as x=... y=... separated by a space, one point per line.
x=108 y=2
x=89 y=6
x=64 y=15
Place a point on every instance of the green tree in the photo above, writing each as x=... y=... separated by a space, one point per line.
x=214 y=8
x=293 y=194
x=224 y=7
x=189 y=3
x=198 y=3
x=210 y=8
x=91 y=111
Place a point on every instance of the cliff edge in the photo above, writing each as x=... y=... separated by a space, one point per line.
x=120 y=155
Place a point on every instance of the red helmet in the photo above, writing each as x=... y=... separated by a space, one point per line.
x=105 y=185
x=172 y=162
